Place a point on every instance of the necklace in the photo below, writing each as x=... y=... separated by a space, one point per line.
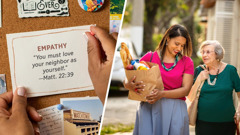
x=215 y=79
x=169 y=69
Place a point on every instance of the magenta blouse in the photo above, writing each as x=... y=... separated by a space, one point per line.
x=172 y=79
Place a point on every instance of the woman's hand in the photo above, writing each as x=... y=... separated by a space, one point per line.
x=237 y=114
x=14 y=114
x=236 y=117
x=203 y=75
x=100 y=57
x=155 y=95
x=133 y=85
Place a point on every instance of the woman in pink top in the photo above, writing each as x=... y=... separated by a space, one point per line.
x=165 y=113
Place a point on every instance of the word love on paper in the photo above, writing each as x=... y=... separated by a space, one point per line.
x=59 y=61
x=51 y=123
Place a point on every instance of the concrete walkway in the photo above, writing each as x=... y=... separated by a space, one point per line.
x=122 y=110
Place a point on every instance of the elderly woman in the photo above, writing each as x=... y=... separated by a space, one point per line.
x=216 y=110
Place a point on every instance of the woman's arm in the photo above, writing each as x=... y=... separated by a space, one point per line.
x=175 y=93
x=201 y=77
x=237 y=114
x=182 y=91
x=100 y=56
x=179 y=92
x=186 y=82
x=193 y=93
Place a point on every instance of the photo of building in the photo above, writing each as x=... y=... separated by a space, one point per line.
x=82 y=116
x=82 y=122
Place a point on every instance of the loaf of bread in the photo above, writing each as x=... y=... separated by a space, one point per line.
x=125 y=55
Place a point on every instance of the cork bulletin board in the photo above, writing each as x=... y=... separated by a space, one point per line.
x=11 y=23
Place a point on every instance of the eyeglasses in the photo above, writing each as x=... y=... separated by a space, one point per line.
x=207 y=52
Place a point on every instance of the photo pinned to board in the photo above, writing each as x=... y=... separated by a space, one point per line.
x=81 y=115
x=3 y=86
x=91 y=5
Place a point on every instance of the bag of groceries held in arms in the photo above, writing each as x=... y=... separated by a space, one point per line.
x=147 y=72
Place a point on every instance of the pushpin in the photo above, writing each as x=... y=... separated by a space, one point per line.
x=90 y=5
x=60 y=106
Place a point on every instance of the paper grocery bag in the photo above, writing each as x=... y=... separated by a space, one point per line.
x=151 y=79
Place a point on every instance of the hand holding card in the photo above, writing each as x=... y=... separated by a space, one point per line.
x=100 y=57
x=15 y=113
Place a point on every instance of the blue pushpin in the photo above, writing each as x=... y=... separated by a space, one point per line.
x=60 y=106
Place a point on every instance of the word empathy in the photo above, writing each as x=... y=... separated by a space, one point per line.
x=38 y=8
x=52 y=47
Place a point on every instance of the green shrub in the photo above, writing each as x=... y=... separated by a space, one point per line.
x=111 y=129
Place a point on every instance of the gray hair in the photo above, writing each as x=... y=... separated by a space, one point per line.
x=218 y=49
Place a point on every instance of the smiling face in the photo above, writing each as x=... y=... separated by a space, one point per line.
x=175 y=45
x=208 y=54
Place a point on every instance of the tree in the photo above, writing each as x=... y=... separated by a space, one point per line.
x=116 y=6
x=151 y=8
x=159 y=14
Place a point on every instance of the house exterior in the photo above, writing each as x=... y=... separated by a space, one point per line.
x=223 y=24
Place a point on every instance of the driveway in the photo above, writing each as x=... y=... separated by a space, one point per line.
x=120 y=109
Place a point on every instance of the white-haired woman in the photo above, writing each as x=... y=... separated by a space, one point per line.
x=216 y=110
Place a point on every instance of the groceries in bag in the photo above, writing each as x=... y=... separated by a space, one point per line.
x=128 y=61
x=139 y=66
x=125 y=55
x=147 y=72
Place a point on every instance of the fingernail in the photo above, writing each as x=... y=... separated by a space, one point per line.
x=142 y=89
x=85 y=36
x=40 y=115
x=37 y=130
x=21 y=91
x=141 y=81
x=144 y=85
x=92 y=33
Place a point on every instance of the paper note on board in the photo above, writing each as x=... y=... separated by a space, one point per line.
x=51 y=123
x=50 y=61
x=39 y=8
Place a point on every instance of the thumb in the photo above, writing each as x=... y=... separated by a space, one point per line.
x=19 y=105
x=94 y=49
x=133 y=79
x=108 y=42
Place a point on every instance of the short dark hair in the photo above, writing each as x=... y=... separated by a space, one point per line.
x=175 y=31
